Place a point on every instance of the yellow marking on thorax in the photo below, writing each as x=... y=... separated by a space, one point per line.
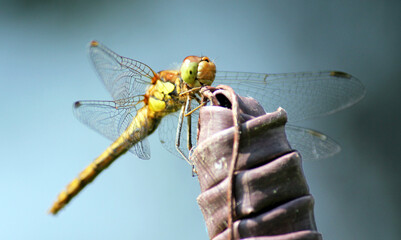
x=165 y=87
x=159 y=95
x=156 y=105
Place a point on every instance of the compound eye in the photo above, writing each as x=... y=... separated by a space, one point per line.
x=189 y=71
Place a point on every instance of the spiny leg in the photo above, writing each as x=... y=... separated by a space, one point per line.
x=193 y=110
x=189 y=138
x=190 y=90
x=179 y=128
x=189 y=128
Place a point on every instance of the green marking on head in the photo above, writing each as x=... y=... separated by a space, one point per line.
x=189 y=70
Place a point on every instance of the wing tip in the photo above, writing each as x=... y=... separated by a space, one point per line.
x=77 y=104
x=317 y=134
x=340 y=74
x=94 y=43
x=358 y=85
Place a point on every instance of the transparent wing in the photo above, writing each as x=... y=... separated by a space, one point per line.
x=311 y=144
x=168 y=128
x=123 y=77
x=302 y=95
x=111 y=118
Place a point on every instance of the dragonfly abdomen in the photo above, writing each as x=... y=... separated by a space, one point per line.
x=87 y=176
x=141 y=126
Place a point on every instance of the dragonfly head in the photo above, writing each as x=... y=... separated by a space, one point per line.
x=198 y=71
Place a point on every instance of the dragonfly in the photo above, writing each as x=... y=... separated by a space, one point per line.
x=144 y=100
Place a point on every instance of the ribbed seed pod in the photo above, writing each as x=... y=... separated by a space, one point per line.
x=271 y=196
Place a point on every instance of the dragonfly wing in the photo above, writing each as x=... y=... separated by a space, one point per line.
x=311 y=144
x=167 y=132
x=123 y=77
x=110 y=119
x=302 y=95
x=141 y=149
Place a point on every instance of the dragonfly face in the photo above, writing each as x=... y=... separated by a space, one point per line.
x=166 y=96
x=198 y=71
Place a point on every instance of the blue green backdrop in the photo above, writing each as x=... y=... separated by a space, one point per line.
x=44 y=68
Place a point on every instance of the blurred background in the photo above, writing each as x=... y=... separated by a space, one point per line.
x=44 y=68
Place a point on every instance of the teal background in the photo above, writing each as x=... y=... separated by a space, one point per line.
x=44 y=68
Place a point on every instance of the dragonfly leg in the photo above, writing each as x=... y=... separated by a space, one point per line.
x=190 y=90
x=179 y=128
x=189 y=125
x=191 y=111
